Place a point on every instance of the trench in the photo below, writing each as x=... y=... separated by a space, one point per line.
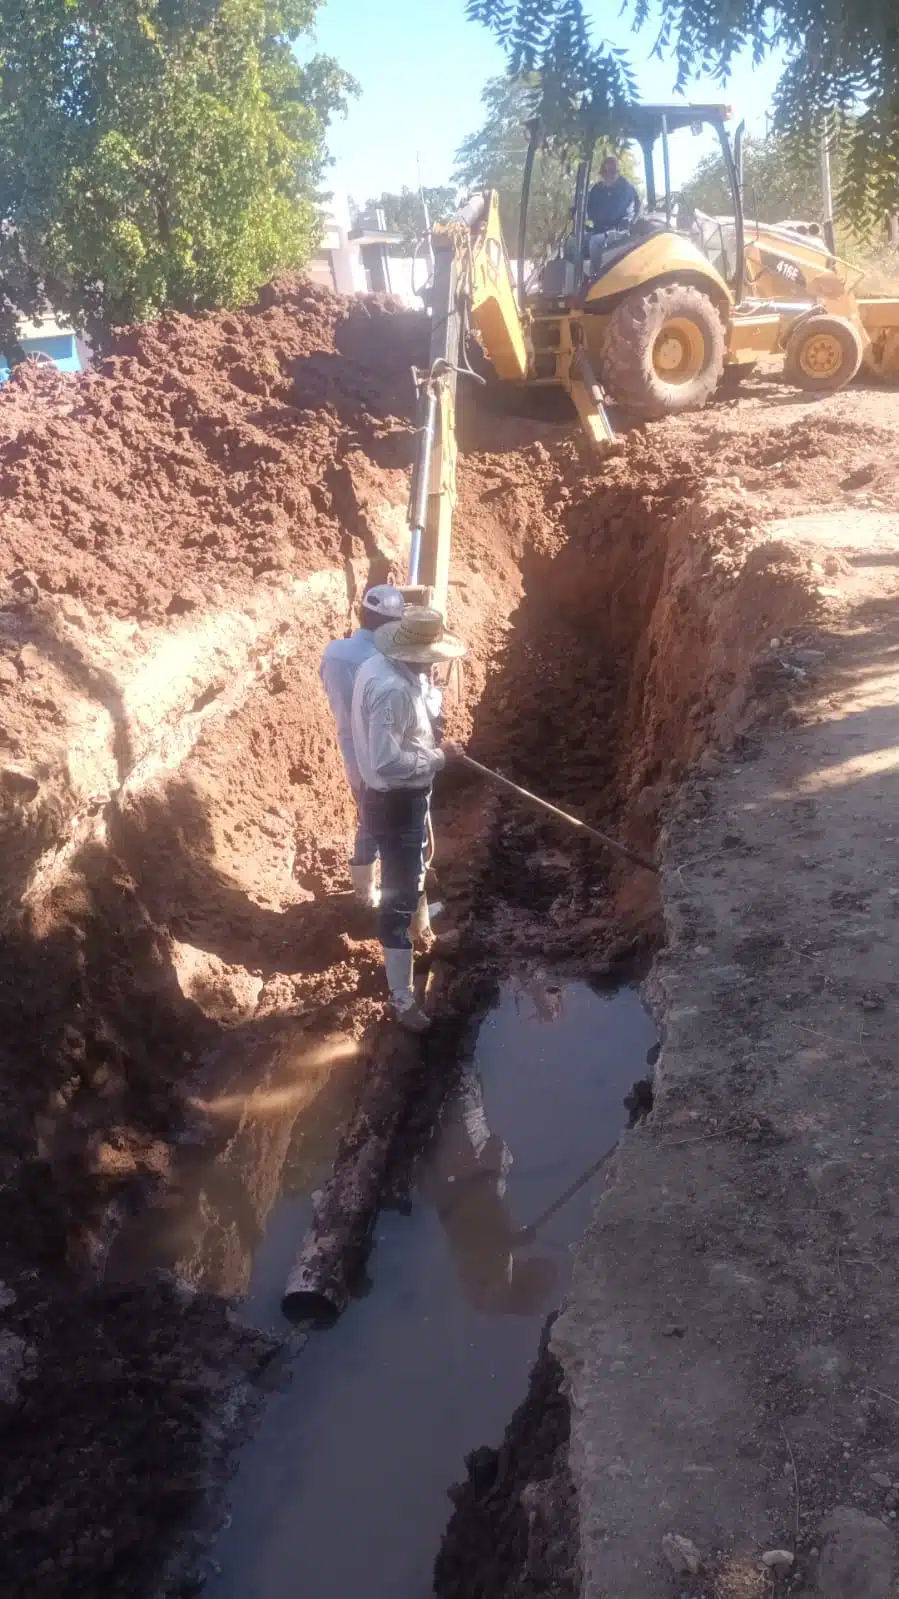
x=207 y=1012
x=539 y=1038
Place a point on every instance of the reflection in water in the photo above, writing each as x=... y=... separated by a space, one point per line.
x=545 y=994
x=273 y=1103
x=466 y=1182
x=383 y=1408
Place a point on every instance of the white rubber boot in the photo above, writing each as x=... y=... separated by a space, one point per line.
x=398 y=965
x=365 y=885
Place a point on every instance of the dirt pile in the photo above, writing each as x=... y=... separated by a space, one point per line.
x=205 y=452
x=784 y=460
x=181 y=533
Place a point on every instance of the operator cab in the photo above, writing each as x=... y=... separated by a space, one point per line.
x=577 y=265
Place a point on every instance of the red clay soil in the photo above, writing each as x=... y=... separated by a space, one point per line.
x=203 y=453
x=201 y=456
x=601 y=608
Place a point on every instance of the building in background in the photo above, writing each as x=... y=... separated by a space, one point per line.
x=373 y=242
x=48 y=340
x=357 y=260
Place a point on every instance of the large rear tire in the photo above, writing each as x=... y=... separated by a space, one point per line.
x=663 y=350
x=823 y=354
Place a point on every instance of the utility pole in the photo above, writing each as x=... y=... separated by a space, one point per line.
x=427 y=215
x=826 y=189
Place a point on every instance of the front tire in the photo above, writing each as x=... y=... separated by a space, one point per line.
x=664 y=350
x=823 y=354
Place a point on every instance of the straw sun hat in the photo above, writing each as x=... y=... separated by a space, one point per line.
x=419 y=638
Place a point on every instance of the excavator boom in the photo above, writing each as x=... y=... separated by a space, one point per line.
x=472 y=288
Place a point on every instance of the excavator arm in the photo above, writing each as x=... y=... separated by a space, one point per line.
x=472 y=288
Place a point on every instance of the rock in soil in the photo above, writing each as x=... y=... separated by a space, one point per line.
x=779 y=1560
x=681 y=1555
x=858 y=1557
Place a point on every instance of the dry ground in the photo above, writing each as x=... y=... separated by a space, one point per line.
x=730 y=1349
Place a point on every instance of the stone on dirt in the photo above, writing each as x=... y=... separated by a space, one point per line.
x=681 y=1554
x=857 y=1558
x=778 y=1559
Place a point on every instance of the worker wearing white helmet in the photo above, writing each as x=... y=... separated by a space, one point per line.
x=339 y=665
x=398 y=757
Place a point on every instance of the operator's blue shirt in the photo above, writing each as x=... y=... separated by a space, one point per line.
x=339 y=665
x=610 y=204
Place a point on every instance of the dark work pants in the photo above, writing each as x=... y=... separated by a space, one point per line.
x=397 y=822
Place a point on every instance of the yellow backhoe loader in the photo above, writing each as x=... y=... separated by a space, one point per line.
x=651 y=314
x=677 y=298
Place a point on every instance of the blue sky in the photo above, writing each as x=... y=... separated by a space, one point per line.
x=422 y=66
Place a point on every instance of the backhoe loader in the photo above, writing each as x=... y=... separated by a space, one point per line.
x=678 y=297
x=652 y=317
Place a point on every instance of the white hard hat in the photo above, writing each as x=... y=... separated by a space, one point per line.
x=386 y=601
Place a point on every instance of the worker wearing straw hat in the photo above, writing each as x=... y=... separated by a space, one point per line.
x=398 y=758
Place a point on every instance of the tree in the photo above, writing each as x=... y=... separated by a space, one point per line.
x=842 y=59
x=580 y=85
x=778 y=185
x=403 y=212
x=494 y=156
x=155 y=154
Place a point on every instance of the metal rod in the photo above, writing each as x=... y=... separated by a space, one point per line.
x=427 y=215
x=792 y=308
x=649 y=170
x=826 y=189
x=573 y=821
x=534 y=130
x=422 y=485
x=528 y=1234
x=735 y=179
x=580 y=217
x=589 y=380
x=666 y=163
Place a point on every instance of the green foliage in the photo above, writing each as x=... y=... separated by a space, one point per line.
x=842 y=58
x=493 y=158
x=581 y=83
x=782 y=181
x=403 y=212
x=778 y=183
x=155 y=154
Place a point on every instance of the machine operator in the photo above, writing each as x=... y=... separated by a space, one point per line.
x=612 y=203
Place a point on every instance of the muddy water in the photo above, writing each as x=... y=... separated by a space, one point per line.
x=342 y=1491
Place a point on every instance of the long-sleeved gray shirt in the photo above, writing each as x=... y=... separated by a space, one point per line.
x=393 y=739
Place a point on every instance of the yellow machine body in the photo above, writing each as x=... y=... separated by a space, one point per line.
x=662 y=258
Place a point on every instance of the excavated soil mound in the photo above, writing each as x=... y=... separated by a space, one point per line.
x=204 y=453
x=182 y=531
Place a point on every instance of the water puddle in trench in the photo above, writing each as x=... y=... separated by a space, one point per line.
x=343 y=1489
